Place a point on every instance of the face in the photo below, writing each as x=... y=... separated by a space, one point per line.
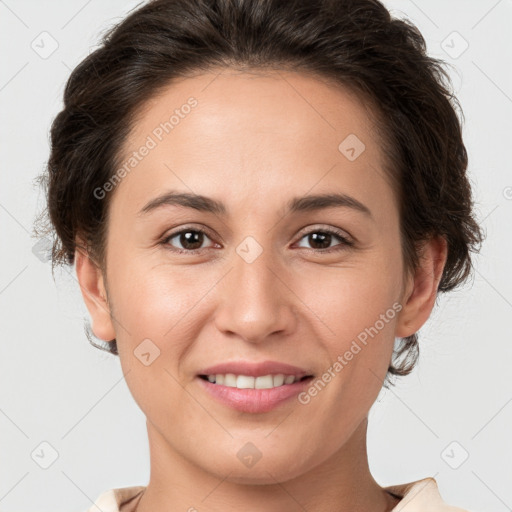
x=263 y=277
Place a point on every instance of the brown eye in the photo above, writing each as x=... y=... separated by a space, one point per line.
x=321 y=240
x=189 y=239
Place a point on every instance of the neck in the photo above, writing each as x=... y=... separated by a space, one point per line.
x=342 y=482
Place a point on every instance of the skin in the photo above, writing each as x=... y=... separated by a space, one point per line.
x=254 y=141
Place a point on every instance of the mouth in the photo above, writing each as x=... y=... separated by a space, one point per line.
x=254 y=387
x=255 y=395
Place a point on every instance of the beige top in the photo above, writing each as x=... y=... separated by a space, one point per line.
x=420 y=496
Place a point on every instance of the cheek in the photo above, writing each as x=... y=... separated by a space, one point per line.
x=167 y=303
x=348 y=300
x=155 y=305
x=357 y=310
x=158 y=307
x=155 y=299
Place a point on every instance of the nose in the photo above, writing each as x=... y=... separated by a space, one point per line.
x=255 y=300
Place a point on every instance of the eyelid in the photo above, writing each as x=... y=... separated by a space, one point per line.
x=190 y=227
x=326 y=228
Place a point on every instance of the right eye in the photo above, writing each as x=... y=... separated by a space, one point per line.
x=190 y=240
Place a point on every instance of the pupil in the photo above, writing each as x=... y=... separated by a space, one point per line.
x=191 y=237
x=315 y=237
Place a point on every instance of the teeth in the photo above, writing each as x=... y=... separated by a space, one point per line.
x=230 y=380
x=248 y=382
x=279 y=380
x=264 y=382
x=242 y=382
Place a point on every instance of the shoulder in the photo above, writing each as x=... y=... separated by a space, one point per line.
x=421 y=495
x=113 y=499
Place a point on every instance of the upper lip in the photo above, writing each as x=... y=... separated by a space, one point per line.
x=255 y=369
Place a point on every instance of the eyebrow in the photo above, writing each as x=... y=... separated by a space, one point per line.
x=296 y=204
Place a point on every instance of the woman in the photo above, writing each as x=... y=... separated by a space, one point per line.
x=260 y=198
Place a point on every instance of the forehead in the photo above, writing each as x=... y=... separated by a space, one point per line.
x=245 y=133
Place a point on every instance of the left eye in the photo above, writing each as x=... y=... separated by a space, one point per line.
x=324 y=238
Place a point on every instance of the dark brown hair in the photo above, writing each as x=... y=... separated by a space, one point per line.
x=354 y=43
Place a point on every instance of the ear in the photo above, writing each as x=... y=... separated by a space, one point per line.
x=421 y=292
x=94 y=294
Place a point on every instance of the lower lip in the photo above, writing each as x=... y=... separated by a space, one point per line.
x=254 y=400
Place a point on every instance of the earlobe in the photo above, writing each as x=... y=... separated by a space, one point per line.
x=420 y=297
x=94 y=294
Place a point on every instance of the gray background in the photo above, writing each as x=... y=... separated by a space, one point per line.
x=55 y=388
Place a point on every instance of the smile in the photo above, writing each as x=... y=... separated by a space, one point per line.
x=251 y=399
x=249 y=382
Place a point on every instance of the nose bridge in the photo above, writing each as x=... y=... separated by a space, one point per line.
x=255 y=302
x=256 y=267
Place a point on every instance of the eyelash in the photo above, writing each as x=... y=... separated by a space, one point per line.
x=345 y=242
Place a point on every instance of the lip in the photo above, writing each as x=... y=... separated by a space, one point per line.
x=253 y=400
x=252 y=369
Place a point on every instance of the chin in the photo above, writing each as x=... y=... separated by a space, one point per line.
x=267 y=469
